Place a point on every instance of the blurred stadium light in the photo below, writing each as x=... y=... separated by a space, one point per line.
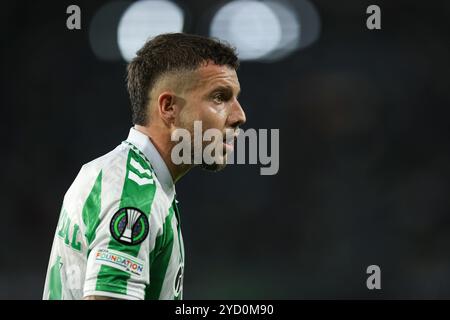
x=266 y=30
x=310 y=22
x=146 y=19
x=104 y=42
x=291 y=30
x=252 y=26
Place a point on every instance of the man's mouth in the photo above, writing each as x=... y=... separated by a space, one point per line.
x=229 y=142
x=229 y=147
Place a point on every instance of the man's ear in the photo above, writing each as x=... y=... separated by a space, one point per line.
x=166 y=107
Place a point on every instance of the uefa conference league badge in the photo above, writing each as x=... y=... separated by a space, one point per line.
x=129 y=226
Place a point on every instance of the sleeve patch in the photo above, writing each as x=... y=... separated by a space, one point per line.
x=129 y=226
x=120 y=261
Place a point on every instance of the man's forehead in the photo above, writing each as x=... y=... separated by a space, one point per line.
x=211 y=75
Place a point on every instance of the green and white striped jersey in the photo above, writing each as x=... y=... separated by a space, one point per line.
x=119 y=233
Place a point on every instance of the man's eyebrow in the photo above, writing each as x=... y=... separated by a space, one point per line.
x=225 y=88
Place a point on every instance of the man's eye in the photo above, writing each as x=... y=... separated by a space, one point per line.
x=218 y=98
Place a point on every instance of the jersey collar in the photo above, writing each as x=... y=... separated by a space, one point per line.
x=145 y=145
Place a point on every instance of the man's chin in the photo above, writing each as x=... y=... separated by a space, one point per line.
x=214 y=167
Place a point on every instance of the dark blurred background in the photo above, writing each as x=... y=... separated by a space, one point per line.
x=364 y=152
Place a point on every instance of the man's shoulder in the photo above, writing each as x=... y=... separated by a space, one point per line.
x=124 y=178
x=124 y=163
x=109 y=164
x=118 y=160
x=110 y=168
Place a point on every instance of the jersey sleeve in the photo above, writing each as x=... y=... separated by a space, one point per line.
x=117 y=230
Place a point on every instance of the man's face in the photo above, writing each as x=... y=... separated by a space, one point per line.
x=213 y=101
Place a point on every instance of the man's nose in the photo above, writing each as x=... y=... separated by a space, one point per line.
x=237 y=115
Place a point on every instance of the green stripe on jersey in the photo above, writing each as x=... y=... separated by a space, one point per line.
x=91 y=209
x=110 y=279
x=55 y=285
x=159 y=259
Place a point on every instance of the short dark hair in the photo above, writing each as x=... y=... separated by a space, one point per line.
x=167 y=53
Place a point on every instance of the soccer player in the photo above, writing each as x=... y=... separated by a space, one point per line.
x=118 y=234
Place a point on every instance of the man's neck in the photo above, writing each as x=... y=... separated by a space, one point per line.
x=160 y=137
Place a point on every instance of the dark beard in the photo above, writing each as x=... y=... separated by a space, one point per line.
x=213 y=167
